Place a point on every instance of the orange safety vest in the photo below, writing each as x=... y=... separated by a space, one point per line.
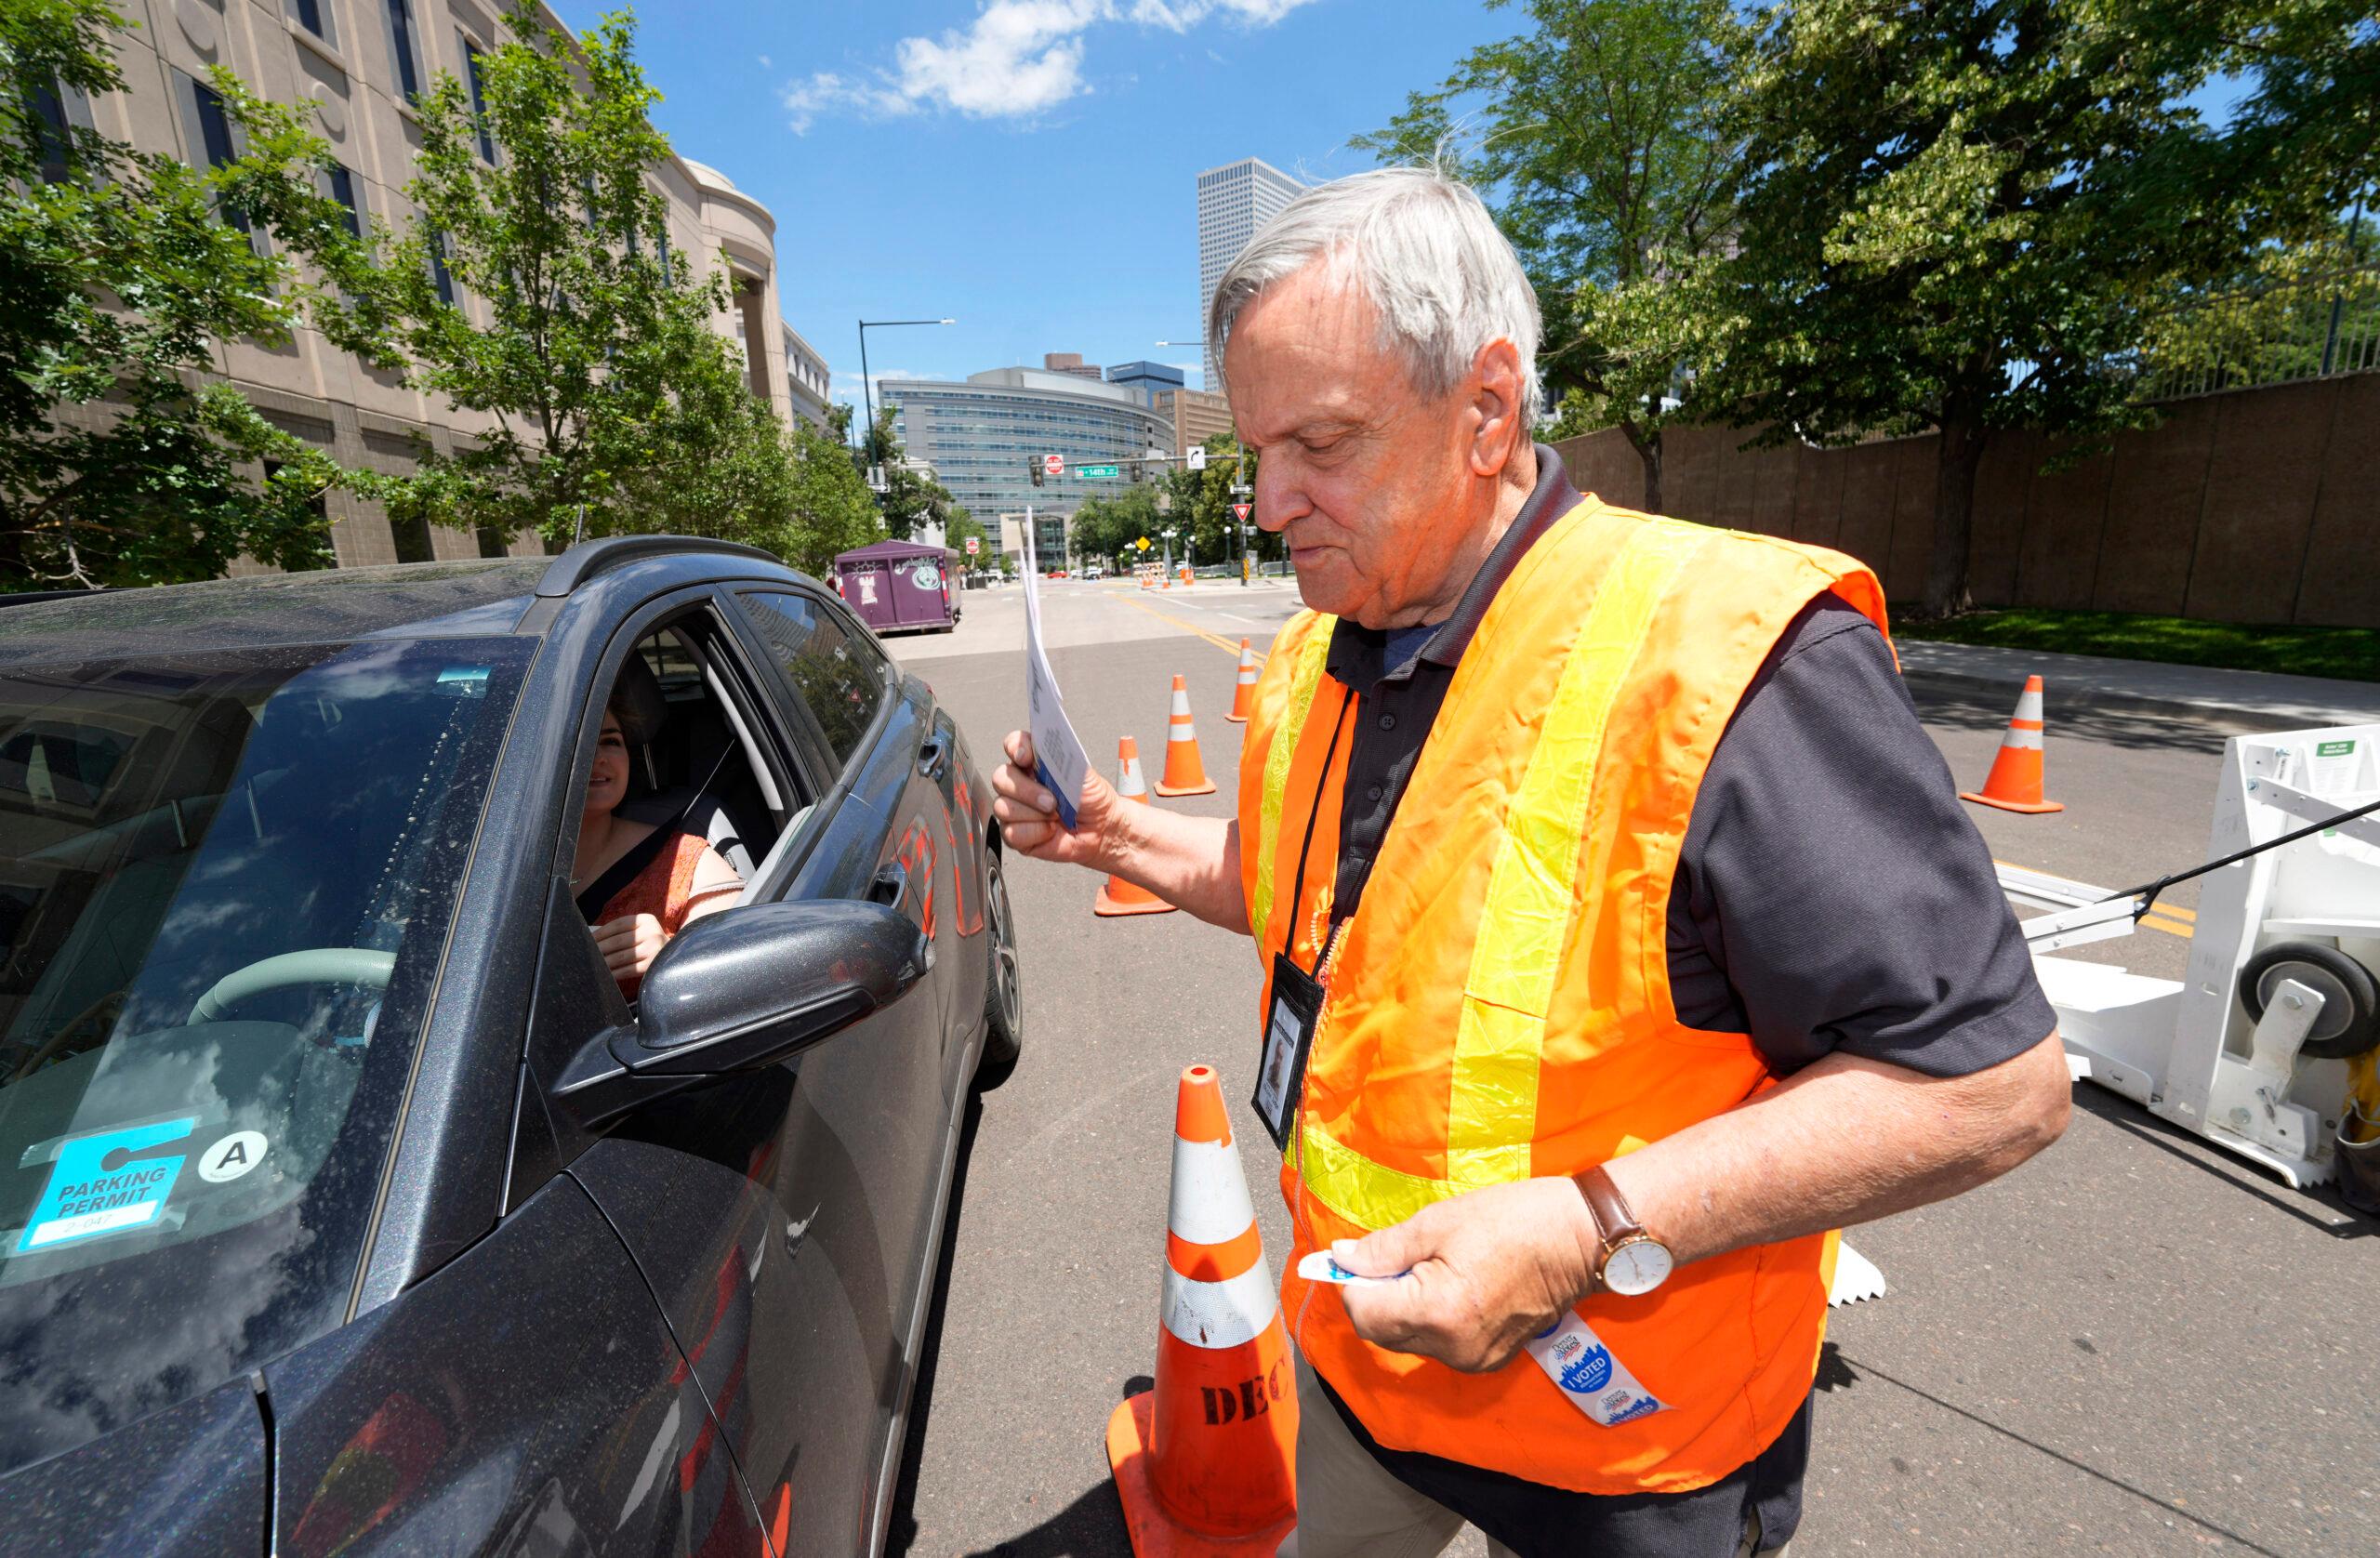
x=1499 y=1007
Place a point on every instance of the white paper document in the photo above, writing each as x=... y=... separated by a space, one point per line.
x=1059 y=760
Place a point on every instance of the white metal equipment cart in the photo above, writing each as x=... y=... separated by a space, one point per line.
x=2266 y=1049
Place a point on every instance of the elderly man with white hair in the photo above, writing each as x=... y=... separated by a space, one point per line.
x=1618 y=916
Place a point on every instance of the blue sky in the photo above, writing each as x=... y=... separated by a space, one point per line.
x=1025 y=166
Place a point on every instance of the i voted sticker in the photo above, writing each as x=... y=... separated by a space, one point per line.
x=232 y=1157
x=1320 y=1267
x=111 y=1181
x=1597 y=1383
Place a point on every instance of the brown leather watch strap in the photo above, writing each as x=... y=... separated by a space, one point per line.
x=1613 y=1220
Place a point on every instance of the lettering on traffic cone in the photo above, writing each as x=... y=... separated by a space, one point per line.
x=1118 y=896
x=1243 y=695
x=2015 y=783
x=1185 y=774
x=1206 y=1462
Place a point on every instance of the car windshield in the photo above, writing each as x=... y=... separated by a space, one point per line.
x=225 y=884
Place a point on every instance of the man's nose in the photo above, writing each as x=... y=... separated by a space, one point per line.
x=1278 y=501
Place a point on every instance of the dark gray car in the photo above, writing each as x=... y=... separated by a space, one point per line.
x=347 y=1206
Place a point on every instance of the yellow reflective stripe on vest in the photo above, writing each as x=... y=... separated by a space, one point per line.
x=1533 y=889
x=1360 y=1190
x=1305 y=679
x=1524 y=921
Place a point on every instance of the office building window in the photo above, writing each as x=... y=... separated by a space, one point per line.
x=411 y=538
x=48 y=104
x=479 y=99
x=342 y=182
x=401 y=45
x=438 y=274
x=215 y=141
x=313 y=16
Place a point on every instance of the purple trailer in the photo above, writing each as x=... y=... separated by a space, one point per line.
x=900 y=586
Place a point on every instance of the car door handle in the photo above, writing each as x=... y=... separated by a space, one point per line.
x=933 y=753
x=891 y=887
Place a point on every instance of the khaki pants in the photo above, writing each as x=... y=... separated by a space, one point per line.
x=1350 y=1507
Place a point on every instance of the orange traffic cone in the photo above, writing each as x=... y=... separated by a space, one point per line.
x=1185 y=774
x=1118 y=896
x=2016 y=781
x=1206 y=1463
x=1243 y=695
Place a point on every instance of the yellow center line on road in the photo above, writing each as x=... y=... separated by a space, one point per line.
x=1191 y=628
x=2170 y=918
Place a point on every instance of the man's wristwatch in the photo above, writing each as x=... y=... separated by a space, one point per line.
x=1633 y=1263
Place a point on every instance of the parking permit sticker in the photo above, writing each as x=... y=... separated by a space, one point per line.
x=232 y=1157
x=103 y=1184
x=1583 y=1369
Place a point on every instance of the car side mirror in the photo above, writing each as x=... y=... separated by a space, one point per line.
x=742 y=990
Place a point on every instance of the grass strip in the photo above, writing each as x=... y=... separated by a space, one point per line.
x=2348 y=653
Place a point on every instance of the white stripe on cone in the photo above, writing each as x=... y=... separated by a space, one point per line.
x=1131 y=784
x=1230 y=1314
x=2022 y=739
x=2028 y=703
x=1211 y=1201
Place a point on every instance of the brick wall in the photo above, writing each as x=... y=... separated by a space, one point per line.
x=2251 y=506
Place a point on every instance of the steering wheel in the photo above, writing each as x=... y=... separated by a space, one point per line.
x=319 y=965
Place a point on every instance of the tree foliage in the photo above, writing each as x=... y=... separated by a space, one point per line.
x=612 y=402
x=1962 y=215
x=1202 y=501
x=1601 y=140
x=1105 y=526
x=913 y=502
x=124 y=274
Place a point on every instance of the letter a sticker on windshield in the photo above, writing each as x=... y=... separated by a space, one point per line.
x=111 y=1181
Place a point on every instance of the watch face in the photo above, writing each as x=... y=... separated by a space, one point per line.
x=1638 y=1266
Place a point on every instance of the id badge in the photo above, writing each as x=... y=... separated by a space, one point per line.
x=1289 y=1034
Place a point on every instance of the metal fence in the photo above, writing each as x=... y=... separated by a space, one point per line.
x=2303 y=327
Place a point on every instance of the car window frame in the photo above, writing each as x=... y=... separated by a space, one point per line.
x=737 y=682
x=894 y=675
x=796 y=728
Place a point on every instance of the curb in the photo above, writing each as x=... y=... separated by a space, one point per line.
x=2067 y=697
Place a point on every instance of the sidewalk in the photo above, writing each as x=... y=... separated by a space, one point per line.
x=2258 y=700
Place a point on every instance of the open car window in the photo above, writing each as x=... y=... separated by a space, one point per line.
x=225 y=884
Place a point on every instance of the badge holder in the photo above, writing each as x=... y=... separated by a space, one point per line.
x=1288 y=1039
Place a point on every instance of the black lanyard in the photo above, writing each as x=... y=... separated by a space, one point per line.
x=1314 y=813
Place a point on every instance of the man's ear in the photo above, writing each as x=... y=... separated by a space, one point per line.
x=1494 y=385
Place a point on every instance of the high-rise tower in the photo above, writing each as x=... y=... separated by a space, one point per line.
x=1233 y=200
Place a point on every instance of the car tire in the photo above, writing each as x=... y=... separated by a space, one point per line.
x=1003 y=987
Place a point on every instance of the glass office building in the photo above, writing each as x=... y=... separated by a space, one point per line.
x=978 y=435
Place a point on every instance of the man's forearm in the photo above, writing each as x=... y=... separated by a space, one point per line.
x=1844 y=1142
x=1192 y=862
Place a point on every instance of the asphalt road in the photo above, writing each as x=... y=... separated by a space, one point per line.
x=2132 y=1345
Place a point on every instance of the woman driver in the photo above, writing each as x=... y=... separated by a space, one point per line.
x=637 y=884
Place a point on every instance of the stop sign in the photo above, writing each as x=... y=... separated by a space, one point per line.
x=1054 y=465
x=973 y=545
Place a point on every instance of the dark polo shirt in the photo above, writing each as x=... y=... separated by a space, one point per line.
x=1831 y=894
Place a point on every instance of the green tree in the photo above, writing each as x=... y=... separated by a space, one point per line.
x=1601 y=140
x=960 y=527
x=1203 y=499
x=606 y=385
x=122 y=461
x=1107 y=524
x=1961 y=216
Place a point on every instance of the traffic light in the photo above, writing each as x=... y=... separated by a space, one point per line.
x=1033 y=467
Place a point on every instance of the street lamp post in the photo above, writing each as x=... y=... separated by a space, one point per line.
x=866 y=390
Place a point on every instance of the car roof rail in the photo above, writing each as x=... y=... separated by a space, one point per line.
x=587 y=558
x=36 y=597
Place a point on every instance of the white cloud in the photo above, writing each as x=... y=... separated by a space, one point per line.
x=766 y=63
x=1017 y=58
